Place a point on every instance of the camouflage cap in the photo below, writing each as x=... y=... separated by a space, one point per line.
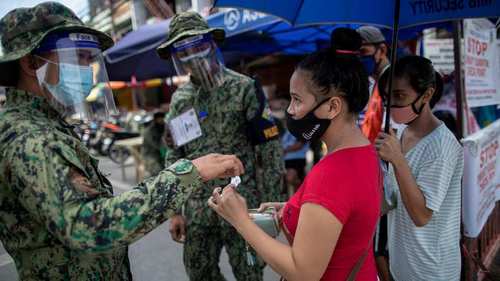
x=185 y=25
x=23 y=29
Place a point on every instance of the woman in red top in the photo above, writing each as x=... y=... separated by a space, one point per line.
x=332 y=216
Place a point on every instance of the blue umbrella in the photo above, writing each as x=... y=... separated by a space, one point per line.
x=135 y=54
x=374 y=12
x=384 y=13
x=247 y=33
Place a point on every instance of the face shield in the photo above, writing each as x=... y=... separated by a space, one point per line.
x=199 y=57
x=73 y=77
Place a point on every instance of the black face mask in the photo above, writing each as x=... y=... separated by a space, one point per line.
x=160 y=127
x=309 y=127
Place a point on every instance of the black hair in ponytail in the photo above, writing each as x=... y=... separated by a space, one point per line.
x=339 y=68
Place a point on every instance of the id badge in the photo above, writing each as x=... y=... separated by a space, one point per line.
x=185 y=128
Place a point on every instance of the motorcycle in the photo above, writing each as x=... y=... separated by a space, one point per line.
x=101 y=136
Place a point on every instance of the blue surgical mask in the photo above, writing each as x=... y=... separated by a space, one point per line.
x=369 y=64
x=75 y=84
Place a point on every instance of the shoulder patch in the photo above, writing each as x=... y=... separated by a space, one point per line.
x=181 y=167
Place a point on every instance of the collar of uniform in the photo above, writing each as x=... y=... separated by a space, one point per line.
x=21 y=98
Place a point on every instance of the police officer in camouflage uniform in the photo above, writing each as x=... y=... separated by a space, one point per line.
x=153 y=146
x=59 y=219
x=234 y=118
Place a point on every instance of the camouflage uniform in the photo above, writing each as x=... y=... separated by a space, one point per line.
x=153 y=144
x=59 y=219
x=228 y=109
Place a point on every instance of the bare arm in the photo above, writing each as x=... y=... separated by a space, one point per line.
x=389 y=149
x=411 y=195
x=315 y=239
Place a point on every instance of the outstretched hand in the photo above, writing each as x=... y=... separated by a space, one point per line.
x=216 y=165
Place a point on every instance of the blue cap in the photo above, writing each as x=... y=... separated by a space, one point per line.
x=203 y=114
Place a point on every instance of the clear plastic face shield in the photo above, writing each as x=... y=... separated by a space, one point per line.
x=73 y=77
x=199 y=57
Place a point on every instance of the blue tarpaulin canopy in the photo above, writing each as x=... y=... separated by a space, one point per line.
x=270 y=34
x=247 y=33
x=135 y=55
x=395 y=14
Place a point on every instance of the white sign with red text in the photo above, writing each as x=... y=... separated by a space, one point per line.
x=481 y=178
x=480 y=63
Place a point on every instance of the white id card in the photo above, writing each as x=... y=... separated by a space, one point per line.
x=235 y=181
x=185 y=128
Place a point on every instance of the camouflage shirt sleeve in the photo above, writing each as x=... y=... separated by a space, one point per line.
x=56 y=190
x=172 y=153
x=269 y=154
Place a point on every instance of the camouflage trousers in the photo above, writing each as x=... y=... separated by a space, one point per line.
x=204 y=242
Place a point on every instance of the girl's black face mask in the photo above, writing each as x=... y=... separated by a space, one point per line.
x=309 y=127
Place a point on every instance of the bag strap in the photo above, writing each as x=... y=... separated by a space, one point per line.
x=361 y=260
x=357 y=266
x=359 y=263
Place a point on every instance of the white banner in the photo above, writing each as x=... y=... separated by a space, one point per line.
x=440 y=52
x=481 y=182
x=498 y=68
x=480 y=65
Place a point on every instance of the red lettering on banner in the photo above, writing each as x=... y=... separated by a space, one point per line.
x=481 y=63
x=487 y=164
x=476 y=72
x=489 y=153
x=476 y=47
